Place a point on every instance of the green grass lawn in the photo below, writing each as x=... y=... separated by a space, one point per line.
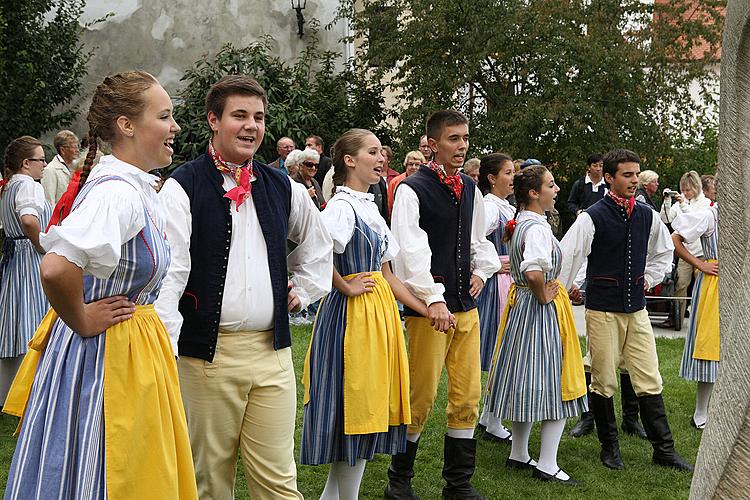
x=579 y=457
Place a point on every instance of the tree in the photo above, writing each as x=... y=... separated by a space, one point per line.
x=308 y=97
x=42 y=63
x=552 y=79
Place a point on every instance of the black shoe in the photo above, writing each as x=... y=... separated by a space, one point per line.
x=400 y=474
x=480 y=430
x=517 y=464
x=606 y=429
x=458 y=467
x=488 y=436
x=630 y=424
x=699 y=427
x=584 y=426
x=543 y=476
x=657 y=428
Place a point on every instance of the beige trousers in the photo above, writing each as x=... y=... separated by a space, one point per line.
x=457 y=351
x=244 y=401
x=684 y=276
x=627 y=339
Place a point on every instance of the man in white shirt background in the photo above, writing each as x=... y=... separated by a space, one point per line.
x=226 y=297
x=56 y=175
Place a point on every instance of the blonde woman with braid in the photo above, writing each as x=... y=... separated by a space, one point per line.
x=24 y=212
x=98 y=392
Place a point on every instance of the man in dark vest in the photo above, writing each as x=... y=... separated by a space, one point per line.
x=629 y=250
x=227 y=297
x=438 y=221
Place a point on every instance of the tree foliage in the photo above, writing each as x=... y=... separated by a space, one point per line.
x=42 y=63
x=310 y=96
x=552 y=79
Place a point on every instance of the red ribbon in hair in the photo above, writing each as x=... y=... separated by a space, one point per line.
x=3 y=183
x=511 y=226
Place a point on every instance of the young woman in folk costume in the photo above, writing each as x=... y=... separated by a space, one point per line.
x=537 y=372
x=356 y=373
x=496 y=183
x=700 y=359
x=98 y=393
x=24 y=212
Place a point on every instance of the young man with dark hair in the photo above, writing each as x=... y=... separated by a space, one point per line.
x=588 y=189
x=438 y=221
x=227 y=296
x=628 y=250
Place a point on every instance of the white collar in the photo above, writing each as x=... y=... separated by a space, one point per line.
x=529 y=215
x=501 y=202
x=355 y=194
x=593 y=186
x=19 y=177
x=111 y=165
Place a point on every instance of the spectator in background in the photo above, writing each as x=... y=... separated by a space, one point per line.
x=424 y=148
x=709 y=187
x=691 y=199
x=388 y=173
x=648 y=185
x=471 y=168
x=306 y=164
x=284 y=146
x=57 y=173
x=411 y=164
x=588 y=189
x=324 y=165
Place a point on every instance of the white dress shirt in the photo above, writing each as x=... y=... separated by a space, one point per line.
x=92 y=235
x=494 y=207
x=595 y=187
x=670 y=211
x=29 y=196
x=338 y=218
x=247 y=303
x=576 y=247
x=412 y=264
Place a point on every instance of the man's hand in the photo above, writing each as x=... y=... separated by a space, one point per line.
x=440 y=317
x=575 y=294
x=293 y=302
x=475 y=286
x=504 y=268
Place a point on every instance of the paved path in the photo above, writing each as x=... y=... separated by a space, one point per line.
x=670 y=333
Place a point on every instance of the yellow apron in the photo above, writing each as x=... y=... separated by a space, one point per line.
x=146 y=444
x=707 y=333
x=572 y=377
x=376 y=370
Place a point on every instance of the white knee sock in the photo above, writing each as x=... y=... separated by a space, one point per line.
x=519 y=449
x=495 y=427
x=702 y=397
x=413 y=437
x=347 y=480
x=485 y=416
x=460 y=433
x=551 y=432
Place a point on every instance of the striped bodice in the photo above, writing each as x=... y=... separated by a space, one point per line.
x=144 y=260
x=710 y=243
x=9 y=217
x=517 y=245
x=363 y=253
x=496 y=236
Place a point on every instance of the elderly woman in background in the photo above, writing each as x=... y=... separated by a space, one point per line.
x=302 y=166
x=411 y=164
x=648 y=184
x=471 y=168
x=709 y=187
x=691 y=199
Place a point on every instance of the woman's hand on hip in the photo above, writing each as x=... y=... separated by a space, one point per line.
x=102 y=314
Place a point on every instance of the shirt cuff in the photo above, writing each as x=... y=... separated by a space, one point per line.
x=29 y=211
x=532 y=267
x=481 y=275
x=434 y=298
x=304 y=299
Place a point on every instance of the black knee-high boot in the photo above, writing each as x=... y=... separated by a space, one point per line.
x=459 y=457
x=586 y=423
x=400 y=474
x=606 y=428
x=630 y=424
x=657 y=428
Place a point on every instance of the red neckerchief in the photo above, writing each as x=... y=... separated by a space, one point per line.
x=454 y=182
x=626 y=203
x=240 y=173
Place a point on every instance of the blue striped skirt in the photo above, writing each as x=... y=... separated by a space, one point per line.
x=698 y=370
x=323 y=438
x=525 y=385
x=60 y=452
x=490 y=305
x=22 y=300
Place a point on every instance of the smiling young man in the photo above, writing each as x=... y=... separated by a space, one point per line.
x=438 y=221
x=628 y=250
x=227 y=297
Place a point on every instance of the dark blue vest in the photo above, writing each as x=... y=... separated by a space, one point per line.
x=448 y=226
x=616 y=264
x=200 y=304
